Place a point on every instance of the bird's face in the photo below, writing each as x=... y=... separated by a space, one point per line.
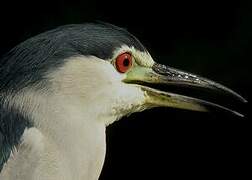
x=140 y=71
x=131 y=81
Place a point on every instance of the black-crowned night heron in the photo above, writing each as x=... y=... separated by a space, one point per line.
x=59 y=90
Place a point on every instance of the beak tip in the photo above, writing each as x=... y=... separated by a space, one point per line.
x=239 y=114
x=244 y=100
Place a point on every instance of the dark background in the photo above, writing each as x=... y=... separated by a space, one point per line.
x=210 y=38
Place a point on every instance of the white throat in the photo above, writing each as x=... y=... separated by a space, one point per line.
x=71 y=141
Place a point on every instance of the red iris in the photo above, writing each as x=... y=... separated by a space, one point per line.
x=123 y=62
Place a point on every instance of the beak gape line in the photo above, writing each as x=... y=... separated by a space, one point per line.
x=152 y=79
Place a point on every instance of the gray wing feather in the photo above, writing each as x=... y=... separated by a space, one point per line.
x=12 y=126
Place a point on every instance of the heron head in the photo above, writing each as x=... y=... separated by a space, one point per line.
x=104 y=70
x=131 y=81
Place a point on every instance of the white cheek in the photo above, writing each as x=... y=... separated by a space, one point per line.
x=98 y=87
x=123 y=99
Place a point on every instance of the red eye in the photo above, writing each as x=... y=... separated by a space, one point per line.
x=123 y=62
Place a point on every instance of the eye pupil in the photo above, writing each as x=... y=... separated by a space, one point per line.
x=126 y=62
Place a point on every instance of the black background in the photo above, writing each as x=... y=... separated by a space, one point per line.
x=210 y=38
